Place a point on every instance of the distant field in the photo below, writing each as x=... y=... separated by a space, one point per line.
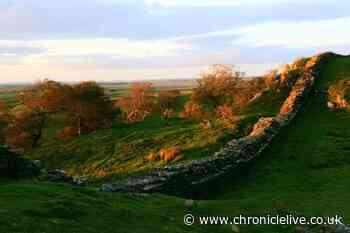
x=114 y=89
x=184 y=85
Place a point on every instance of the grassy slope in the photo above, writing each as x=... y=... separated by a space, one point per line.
x=307 y=170
x=37 y=208
x=122 y=149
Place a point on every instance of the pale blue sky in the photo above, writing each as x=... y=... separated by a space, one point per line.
x=114 y=40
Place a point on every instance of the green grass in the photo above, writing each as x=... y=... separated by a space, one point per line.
x=268 y=104
x=42 y=207
x=121 y=150
x=305 y=171
x=32 y=208
x=9 y=98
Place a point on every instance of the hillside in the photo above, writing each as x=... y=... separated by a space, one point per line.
x=121 y=150
x=306 y=171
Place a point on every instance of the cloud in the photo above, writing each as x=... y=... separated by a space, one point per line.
x=211 y=3
x=98 y=38
x=322 y=33
x=298 y=34
x=12 y=49
x=208 y=3
x=118 y=48
x=150 y=19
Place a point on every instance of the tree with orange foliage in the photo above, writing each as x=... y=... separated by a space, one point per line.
x=216 y=87
x=44 y=97
x=168 y=99
x=271 y=79
x=138 y=103
x=227 y=117
x=24 y=128
x=88 y=108
x=2 y=106
x=193 y=110
x=248 y=90
x=27 y=122
x=3 y=120
x=167 y=114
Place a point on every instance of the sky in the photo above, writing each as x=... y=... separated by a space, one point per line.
x=123 y=40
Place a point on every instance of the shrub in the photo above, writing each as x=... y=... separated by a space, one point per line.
x=169 y=154
x=3 y=120
x=67 y=132
x=227 y=117
x=2 y=106
x=89 y=108
x=168 y=99
x=100 y=172
x=206 y=124
x=153 y=156
x=38 y=102
x=339 y=94
x=24 y=128
x=248 y=89
x=224 y=86
x=271 y=79
x=193 y=110
x=216 y=87
x=299 y=63
x=138 y=103
x=167 y=114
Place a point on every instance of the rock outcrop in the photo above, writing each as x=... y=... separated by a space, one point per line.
x=237 y=152
x=60 y=176
x=14 y=166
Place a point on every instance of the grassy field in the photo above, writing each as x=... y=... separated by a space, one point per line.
x=306 y=171
x=36 y=208
x=121 y=150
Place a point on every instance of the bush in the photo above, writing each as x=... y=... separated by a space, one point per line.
x=89 y=108
x=216 y=87
x=193 y=110
x=167 y=154
x=167 y=114
x=24 y=128
x=138 y=103
x=153 y=156
x=248 y=89
x=67 y=132
x=227 y=117
x=222 y=86
x=339 y=94
x=168 y=99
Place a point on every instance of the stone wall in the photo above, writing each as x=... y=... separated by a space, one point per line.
x=236 y=153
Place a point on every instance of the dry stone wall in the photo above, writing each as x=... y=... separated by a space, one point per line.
x=237 y=152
